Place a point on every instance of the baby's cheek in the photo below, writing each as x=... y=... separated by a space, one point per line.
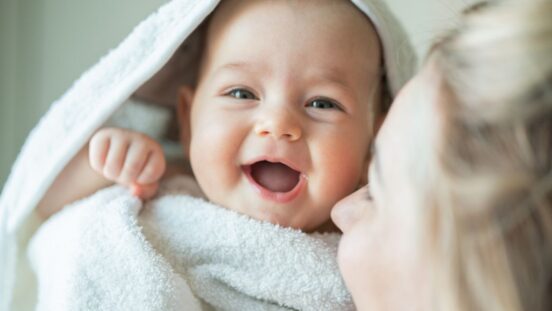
x=212 y=156
x=341 y=175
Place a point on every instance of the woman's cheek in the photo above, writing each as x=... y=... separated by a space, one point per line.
x=354 y=255
x=358 y=263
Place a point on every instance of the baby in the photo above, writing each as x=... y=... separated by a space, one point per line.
x=278 y=125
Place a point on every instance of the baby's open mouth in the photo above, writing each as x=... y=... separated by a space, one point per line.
x=275 y=177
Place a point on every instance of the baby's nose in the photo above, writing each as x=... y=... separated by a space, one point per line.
x=278 y=125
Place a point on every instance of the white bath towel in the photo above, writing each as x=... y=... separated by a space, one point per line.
x=102 y=254
x=155 y=58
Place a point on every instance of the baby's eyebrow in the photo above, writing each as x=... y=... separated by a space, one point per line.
x=238 y=66
x=330 y=77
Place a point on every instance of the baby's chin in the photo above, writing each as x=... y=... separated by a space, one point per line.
x=275 y=215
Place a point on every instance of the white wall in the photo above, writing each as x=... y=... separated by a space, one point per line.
x=46 y=45
x=8 y=38
x=424 y=20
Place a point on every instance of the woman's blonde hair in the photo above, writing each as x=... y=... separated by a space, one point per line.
x=492 y=217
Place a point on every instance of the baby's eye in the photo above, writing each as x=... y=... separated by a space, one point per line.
x=241 y=94
x=322 y=103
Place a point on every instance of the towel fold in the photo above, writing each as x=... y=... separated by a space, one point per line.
x=179 y=252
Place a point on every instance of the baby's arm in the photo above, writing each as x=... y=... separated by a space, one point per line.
x=112 y=156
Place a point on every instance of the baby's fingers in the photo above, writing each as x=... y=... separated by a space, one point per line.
x=144 y=192
x=154 y=168
x=97 y=152
x=115 y=158
x=135 y=162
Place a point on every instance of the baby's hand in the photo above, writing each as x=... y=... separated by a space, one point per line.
x=128 y=158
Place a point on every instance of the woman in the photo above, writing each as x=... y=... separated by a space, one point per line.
x=458 y=212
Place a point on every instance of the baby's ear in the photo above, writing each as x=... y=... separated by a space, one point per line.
x=183 y=111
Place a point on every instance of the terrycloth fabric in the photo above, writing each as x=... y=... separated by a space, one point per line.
x=100 y=254
x=159 y=55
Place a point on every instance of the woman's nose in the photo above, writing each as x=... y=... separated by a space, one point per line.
x=278 y=124
x=350 y=209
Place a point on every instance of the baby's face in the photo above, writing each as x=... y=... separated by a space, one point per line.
x=280 y=119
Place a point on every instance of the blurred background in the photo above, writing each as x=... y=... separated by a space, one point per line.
x=46 y=45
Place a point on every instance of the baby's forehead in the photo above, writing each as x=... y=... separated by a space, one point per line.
x=324 y=15
x=333 y=26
